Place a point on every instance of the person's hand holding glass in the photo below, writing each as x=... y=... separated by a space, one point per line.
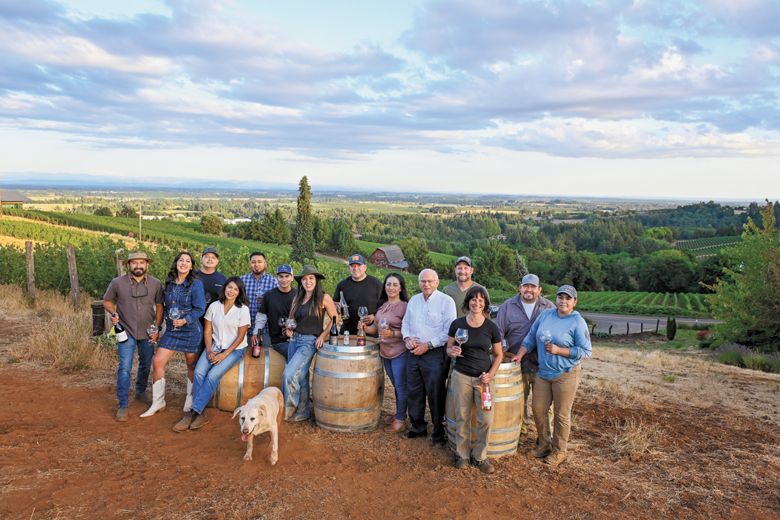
x=174 y=314
x=461 y=337
x=384 y=330
x=289 y=327
x=152 y=332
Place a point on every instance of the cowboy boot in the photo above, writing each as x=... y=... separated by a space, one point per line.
x=188 y=399
x=158 y=398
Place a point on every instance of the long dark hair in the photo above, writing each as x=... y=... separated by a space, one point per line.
x=477 y=290
x=315 y=304
x=241 y=298
x=174 y=273
x=403 y=294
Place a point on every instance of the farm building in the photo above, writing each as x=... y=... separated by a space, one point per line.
x=13 y=198
x=389 y=257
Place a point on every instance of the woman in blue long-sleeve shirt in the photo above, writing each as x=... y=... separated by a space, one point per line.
x=560 y=338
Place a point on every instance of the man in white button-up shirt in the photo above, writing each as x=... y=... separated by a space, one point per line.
x=424 y=328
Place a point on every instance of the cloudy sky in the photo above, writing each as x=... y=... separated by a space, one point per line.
x=651 y=98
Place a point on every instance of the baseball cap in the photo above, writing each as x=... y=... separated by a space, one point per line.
x=463 y=259
x=284 y=268
x=212 y=250
x=530 y=279
x=357 y=258
x=567 y=289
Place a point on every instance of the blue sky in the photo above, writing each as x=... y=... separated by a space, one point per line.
x=575 y=97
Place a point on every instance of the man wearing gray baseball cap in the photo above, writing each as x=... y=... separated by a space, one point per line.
x=514 y=320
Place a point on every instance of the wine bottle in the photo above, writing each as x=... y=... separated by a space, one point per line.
x=361 y=337
x=344 y=306
x=487 y=399
x=119 y=330
x=334 y=332
x=257 y=349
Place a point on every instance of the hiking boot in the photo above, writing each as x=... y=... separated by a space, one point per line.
x=541 y=450
x=396 y=426
x=484 y=466
x=200 y=420
x=459 y=462
x=143 y=397
x=555 y=459
x=184 y=423
x=121 y=414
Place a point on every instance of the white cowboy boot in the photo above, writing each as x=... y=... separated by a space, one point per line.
x=158 y=398
x=188 y=399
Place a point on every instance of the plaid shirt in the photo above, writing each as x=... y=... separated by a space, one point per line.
x=255 y=289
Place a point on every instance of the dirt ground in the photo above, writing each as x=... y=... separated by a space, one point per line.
x=705 y=444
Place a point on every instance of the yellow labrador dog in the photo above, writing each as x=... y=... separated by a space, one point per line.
x=262 y=413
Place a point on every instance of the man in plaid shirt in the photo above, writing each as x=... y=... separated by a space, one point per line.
x=257 y=283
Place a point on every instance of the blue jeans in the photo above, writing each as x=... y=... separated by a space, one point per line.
x=207 y=377
x=295 y=381
x=396 y=371
x=125 y=351
x=282 y=348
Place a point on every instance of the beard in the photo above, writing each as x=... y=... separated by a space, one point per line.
x=138 y=271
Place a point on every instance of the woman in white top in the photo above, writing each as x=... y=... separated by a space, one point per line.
x=224 y=335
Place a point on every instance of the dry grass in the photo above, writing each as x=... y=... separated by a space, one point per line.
x=632 y=438
x=58 y=335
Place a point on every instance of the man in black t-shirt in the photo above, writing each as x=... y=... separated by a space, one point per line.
x=213 y=280
x=276 y=304
x=359 y=290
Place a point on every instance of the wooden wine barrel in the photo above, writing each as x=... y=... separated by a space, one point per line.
x=507 y=412
x=348 y=386
x=247 y=378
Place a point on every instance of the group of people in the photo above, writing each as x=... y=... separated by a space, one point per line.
x=436 y=345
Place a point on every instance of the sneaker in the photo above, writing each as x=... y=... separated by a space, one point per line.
x=184 y=423
x=555 y=459
x=396 y=426
x=541 y=451
x=459 y=462
x=411 y=434
x=199 y=420
x=485 y=466
x=121 y=414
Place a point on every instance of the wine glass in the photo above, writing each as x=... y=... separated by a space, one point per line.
x=383 y=326
x=290 y=323
x=362 y=312
x=461 y=336
x=151 y=330
x=174 y=314
x=282 y=321
x=545 y=337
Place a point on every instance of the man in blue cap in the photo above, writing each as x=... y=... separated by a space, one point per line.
x=358 y=290
x=514 y=320
x=276 y=304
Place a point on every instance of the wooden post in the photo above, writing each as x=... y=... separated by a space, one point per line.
x=627 y=324
x=120 y=264
x=140 y=216
x=657 y=324
x=610 y=330
x=641 y=326
x=73 y=273
x=28 y=253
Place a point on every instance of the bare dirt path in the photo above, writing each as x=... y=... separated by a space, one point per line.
x=63 y=456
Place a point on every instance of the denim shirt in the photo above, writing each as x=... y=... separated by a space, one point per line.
x=191 y=301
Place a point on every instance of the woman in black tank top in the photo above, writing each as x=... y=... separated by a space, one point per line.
x=308 y=310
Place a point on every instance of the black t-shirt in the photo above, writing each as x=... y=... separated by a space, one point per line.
x=366 y=293
x=212 y=285
x=476 y=350
x=308 y=324
x=277 y=304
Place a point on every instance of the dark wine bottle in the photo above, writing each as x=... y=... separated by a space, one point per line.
x=119 y=330
x=334 y=332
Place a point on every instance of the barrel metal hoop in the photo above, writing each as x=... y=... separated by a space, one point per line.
x=350 y=350
x=267 y=372
x=346 y=375
x=505 y=385
x=327 y=408
x=360 y=428
x=507 y=399
x=511 y=429
x=240 y=392
x=345 y=358
x=502 y=452
x=505 y=443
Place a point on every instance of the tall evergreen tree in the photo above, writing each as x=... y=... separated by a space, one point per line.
x=303 y=238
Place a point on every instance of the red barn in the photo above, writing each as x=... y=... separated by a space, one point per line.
x=389 y=257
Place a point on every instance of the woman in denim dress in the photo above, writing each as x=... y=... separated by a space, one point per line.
x=308 y=309
x=183 y=292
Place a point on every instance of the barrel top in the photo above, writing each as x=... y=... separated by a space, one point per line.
x=368 y=348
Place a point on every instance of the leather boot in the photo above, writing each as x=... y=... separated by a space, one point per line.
x=184 y=423
x=188 y=399
x=158 y=398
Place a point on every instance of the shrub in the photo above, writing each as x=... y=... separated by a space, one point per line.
x=671 y=328
x=756 y=361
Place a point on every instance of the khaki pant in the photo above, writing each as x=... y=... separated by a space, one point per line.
x=466 y=393
x=525 y=421
x=560 y=392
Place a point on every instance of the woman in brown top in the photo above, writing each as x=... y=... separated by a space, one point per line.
x=387 y=324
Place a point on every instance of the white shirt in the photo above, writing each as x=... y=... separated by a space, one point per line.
x=529 y=308
x=429 y=320
x=224 y=327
